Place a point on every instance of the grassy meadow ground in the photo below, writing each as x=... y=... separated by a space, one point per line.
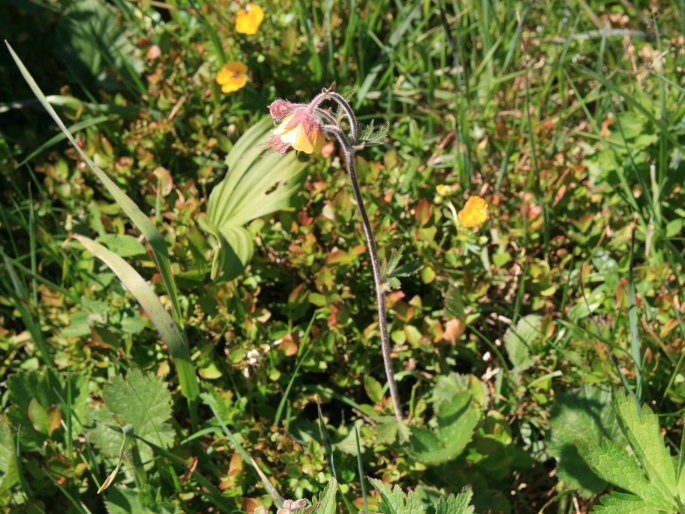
x=514 y=343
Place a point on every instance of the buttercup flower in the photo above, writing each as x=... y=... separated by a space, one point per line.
x=299 y=129
x=247 y=20
x=474 y=212
x=232 y=76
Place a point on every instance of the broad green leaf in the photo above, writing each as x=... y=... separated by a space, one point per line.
x=160 y=318
x=620 y=503
x=140 y=403
x=394 y=501
x=373 y=388
x=91 y=41
x=459 y=504
x=643 y=432
x=326 y=502
x=9 y=470
x=519 y=340
x=45 y=389
x=456 y=421
x=79 y=326
x=128 y=206
x=38 y=416
x=614 y=465
x=583 y=415
x=448 y=386
x=144 y=402
x=258 y=182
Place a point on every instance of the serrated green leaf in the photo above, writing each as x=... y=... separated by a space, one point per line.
x=144 y=402
x=613 y=464
x=372 y=135
x=386 y=429
x=519 y=340
x=393 y=262
x=326 y=503
x=394 y=501
x=643 y=432
x=620 y=503
x=583 y=415
x=459 y=504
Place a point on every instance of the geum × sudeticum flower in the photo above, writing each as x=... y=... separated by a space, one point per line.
x=232 y=76
x=474 y=213
x=247 y=20
x=299 y=128
x=304 y=127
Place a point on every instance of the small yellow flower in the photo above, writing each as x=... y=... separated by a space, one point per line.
x=300 y=131
x=474 y=212
x=232 y=76
x=247 y=20
x=443 y=189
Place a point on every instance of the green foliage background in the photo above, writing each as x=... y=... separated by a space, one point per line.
x=509 y=341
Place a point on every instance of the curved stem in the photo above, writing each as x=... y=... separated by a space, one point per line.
x=354 y=126
x=378 y=282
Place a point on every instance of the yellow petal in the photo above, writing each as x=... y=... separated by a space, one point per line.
x=282 y=127
x=474 y=213
x=248 y=20
x=255 y=12
x=232 y=76
x=297 y=138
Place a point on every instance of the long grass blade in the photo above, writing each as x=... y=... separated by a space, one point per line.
x=127 y=205
x=160 y=318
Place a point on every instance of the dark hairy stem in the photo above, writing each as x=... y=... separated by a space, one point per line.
x=378 y=281
x=350 y=144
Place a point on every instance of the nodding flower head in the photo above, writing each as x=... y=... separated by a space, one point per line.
x=299 y=128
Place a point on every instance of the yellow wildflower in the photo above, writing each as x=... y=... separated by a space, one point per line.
x=443 y=189
x=299 y=130
x=474 y=212
x=232 y=76
x=247 y=20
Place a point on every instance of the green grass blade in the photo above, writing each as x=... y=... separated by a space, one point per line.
x=22 y=302
x=209 y=400
x=286 y=394
x=360 y=469
x=160 y=318
x=393 y=41
x=137 y=217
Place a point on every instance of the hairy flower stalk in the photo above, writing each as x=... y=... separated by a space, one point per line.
x=302 y=127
